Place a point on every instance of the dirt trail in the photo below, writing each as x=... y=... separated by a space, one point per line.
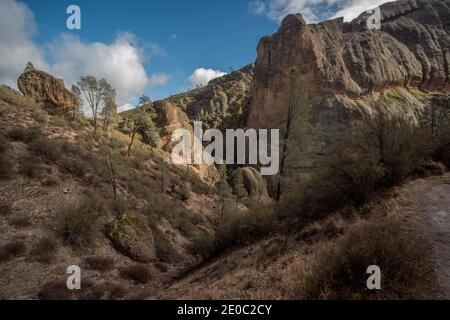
x=435 y=204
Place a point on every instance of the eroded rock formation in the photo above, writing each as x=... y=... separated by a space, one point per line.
x=44 y=88
x=346 y=65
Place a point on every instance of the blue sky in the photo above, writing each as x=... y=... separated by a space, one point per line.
x=157 y=48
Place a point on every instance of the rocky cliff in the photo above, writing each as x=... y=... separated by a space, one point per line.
x=223 y=103
x=44 y=88
x=349 y=67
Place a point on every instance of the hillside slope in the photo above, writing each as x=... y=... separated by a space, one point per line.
x=57 y=207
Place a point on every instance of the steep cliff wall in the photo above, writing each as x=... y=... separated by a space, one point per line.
x=348 y=67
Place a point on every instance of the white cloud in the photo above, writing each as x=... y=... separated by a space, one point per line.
x=356 y=7
x=126 y=107
x=121 y=62
x=159 y=79
x=314 y=10
x=17 y=26
x=202 y=76
x=257 y=7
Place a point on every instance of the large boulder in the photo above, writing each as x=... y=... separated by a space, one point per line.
x=131 y=235
x=254 y=183
x=46 y=89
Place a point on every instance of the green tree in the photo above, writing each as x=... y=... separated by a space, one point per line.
x=238 y=185
x=29 y=67
x=109 y=112
x=299 y=135
x=144 y=100
x=95 y=93
x=79 y=102
x=164 y=176
x=224 y=188
x=140 y=123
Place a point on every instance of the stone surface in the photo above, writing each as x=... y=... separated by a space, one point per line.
x=253 y=182
x=131 y=235
x=223 y=103
x=44 y=88
x=412 y=50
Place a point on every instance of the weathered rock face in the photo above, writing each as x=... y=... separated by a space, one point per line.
x=131 y=236
x=169 y=118
x=44 y=88
x=254 y=183
x=223 y=103
x=348 y=62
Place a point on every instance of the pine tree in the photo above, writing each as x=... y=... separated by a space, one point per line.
x=238 y=185
x=140 y=124
x=299 y=136
x=224 y=188
x=29 y=67
x=164 y=176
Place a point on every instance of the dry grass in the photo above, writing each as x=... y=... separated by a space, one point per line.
x=12 y=249
x=338 y=270
x=100 y=263
x=44 y=250
x=136 y=273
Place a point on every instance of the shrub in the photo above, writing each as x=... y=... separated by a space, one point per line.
x=55 y=290
x=338 y=271
x=29 y=168
x=44 y=250
x=137 y=273
x=430 y=168
x=12 y=249
x=5 y=167
x=202 y=244
x=5 y=210
x=20 y=221
x=100 y=263
x=46 y=147
x=74 y=166
x=164 y=249
x=79 y=221
x=185 y=192
x=3 y=143
x=24 y=134
x=50 y=182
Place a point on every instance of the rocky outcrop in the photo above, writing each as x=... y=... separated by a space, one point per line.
x=46 y=89
x=131 y=236
x=254 y=183
x=169 y=118
x=346 y=62
x=223 y=103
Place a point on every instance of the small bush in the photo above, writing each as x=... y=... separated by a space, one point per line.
x=338 y=271
x=3 y=143
x=28 y=167
x=24 y=134
x=430 y=168
x=100 y=263
x=12 y=249
x=74 y=166
x=44 y=250
x=46 y=147
x=202 y=244
x=137 y=273
x=50 y=182
x=20 y=221
x=164 y=249
x=5 y=210
x=5 y=167
x=79 y=221
x=55 y=290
